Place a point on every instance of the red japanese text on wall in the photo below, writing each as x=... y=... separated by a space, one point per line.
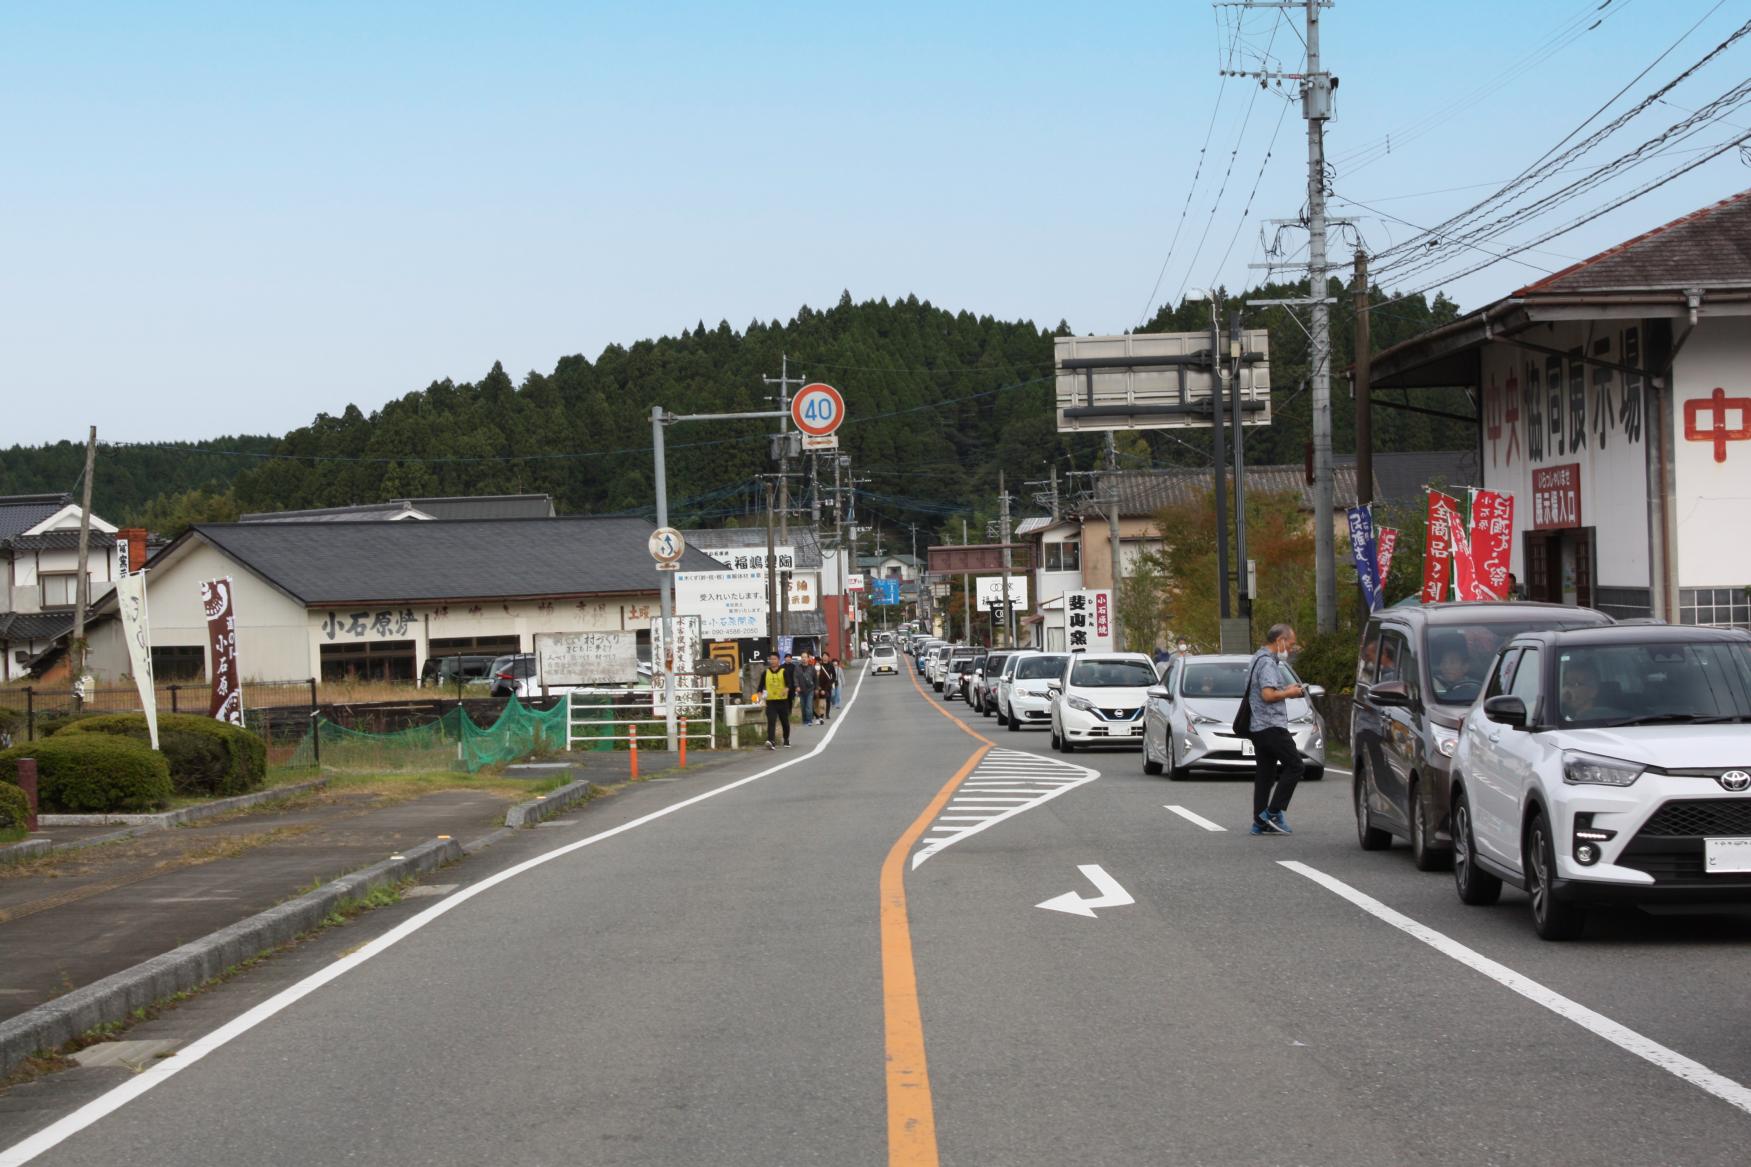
x=1718 y=407
x=1556 y=496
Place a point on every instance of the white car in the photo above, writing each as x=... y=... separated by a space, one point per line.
x=936 y=664
x=1189 y=721
x=1100 y=699
x=884 y=658
x=1024 y=692
x=1607 y=765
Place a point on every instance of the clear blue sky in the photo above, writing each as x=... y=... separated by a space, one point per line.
x=227 y=217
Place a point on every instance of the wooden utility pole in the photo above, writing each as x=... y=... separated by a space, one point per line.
x=1364 y=373
x=82 y=583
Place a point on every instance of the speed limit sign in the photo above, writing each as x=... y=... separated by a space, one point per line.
x=817 y=409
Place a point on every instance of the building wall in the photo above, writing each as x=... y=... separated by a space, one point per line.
x=1592 y=418
x=1712 y=471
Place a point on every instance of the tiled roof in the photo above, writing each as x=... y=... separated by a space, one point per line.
x=1402 y=476
x=57 y=541
x=1143 y=492
x=21 y=512
x=20 y=627
x=1709 y=248
x=490 y=559
x=364 y=513
x=486 y=506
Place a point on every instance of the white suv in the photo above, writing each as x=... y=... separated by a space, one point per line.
x=1023 y=691
x=1100 y=699
x=1607 y=765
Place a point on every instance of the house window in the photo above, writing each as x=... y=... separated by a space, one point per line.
x=1721 y=607
x=1066 y=556
x=178 y=662
x=60 y=590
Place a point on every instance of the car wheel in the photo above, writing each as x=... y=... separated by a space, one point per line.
x=1313 y=774
x=1426 y=856
x=1057 y=742
x=1001 y=719
x=1475 y=886
x=1552 y=919
x=1150 y=765
x=1368 y=836
x=1014 y=725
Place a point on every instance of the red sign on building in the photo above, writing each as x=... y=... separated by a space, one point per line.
x=1556 y=496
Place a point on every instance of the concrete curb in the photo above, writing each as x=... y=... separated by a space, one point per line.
x=527 y=814
x=187 y=814
x=29 y=849
x=115 y=997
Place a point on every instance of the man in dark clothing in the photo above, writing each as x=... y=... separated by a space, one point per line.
x=1277 y=760
x=805 y=684
x=826 y=684
x=777 y=685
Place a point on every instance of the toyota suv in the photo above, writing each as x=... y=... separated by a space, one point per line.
x=1420 y=668
x=1607 y=765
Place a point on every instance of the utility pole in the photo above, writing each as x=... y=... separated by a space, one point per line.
x=784 y=381
x=1112 y=504
x=1235 y=353
x=1364 y=388
x=966 y=595
x=771 y=574
x=82 y=585
x=1219 y=453
x=1003 y=519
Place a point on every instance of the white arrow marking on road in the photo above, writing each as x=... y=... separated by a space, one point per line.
x=1111 y=894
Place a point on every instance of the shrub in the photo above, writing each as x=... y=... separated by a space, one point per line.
x=206 y=757
x=14 y=807
x=88 y=773
x=11 y=723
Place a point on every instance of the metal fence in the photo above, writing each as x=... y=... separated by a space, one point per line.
x=277 y=710
x=620 y=715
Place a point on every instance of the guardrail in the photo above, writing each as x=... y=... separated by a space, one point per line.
x=629 y=715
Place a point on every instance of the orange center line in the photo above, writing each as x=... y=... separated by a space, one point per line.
x=911 y=1114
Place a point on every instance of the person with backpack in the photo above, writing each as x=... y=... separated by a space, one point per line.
x=777 y=684
x=805 y=682
x=1264 y=717
x=826 y=688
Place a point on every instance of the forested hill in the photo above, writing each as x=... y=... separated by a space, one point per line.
x=937 y=403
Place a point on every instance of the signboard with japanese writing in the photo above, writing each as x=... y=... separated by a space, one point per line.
x=586 y=658
x=1492 y=543
x=729 y=604
x=1385 y=544
x=1088 y=620
x=1437 y=549
x=675 y=645
x=216 y=602
x=1556 y=496
x=369 y=624
x=884 y=592
x=752 y=558
x=1363 y=554
x=990 y=591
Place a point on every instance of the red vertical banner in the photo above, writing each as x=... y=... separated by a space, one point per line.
x=1459 y=547
x=1387 y=542
x=1492 y=542
x=1438 y=548
x=227 y=703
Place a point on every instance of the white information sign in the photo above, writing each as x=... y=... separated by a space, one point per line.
x=676 y=652
x=729 y=604
x=990 y=590
x=586 y=658
x=753 y=558
x=1088 y=620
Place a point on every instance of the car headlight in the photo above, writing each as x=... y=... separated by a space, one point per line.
x=1447 y=740
x=1200 y=719
x=1593 y=770
x=1081 y=703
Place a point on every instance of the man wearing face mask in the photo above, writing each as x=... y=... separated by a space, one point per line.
x=1277 y=760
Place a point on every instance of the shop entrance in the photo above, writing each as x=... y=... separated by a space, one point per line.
x=1560 y=566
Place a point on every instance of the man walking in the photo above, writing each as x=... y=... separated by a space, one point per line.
x=1277 y=760
x=805 y=684
x=777 y=683
x=828 y=693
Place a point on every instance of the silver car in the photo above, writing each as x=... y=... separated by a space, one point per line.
x=1187 y=723
x=1022 y=691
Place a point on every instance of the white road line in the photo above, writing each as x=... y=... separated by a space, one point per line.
x=163 y=1070
x=1035 y=780
x=1598 y=1024
x=1199 y=819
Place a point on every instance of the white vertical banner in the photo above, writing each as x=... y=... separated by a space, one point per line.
x=1088 y=620
x=137 y=631
x=675 y=652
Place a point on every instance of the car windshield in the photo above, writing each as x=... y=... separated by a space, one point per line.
x=1459 y=655
x=882 y=650
x=1217 y=679
x=1649 y=684
x=1112 y=674
x=1038 y=668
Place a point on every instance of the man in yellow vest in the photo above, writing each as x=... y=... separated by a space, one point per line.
x=777 y=686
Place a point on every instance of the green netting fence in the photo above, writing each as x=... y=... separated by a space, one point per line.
x=452 y=740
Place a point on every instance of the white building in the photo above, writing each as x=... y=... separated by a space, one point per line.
x=1616 y=407
x=39 y=553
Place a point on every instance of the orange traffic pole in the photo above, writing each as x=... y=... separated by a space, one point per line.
x=634 y=729
x=683 y=740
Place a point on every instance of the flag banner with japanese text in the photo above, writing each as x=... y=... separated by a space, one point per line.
x=137 y=631
x=1459 y=548
x=216 y=601
x=1088 y=621
x=1385 y=543
x=1437 y=548
x=1362 y=554
x=1492 y=543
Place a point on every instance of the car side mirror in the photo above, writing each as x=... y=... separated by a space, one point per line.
x=1054 y=688
x=1390 y=695
x=1313 y=690
x=1159 y=694
x=1506 y=710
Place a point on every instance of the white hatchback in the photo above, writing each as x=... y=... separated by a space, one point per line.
x=884 y=658
x=1100 y=699
x=1607 y=765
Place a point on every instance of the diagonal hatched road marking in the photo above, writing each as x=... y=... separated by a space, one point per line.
x=1005 y=783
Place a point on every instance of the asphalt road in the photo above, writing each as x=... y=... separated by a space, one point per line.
x=845 y=961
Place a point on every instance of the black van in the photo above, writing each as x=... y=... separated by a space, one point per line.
x=1420 y=668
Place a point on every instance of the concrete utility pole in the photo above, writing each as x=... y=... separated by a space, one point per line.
x=966 y=595
x=1364 y=388
x=82 y=584
x=1316 y=108
x=1219 y=455
x=1003 y=530
x=1112 y=504
x=784 y=381
x=1235 y=364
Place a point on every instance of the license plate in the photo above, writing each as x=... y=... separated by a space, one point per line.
x=1727 y=856
x=1246 y=747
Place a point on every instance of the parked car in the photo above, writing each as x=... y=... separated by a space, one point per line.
x=921 y=654
x=1024 y=692
x=1099 y=699
x=1607 y=766
x=513 y=675
x=984 y=696
x=1419 y=669
x=884 y=658
x=957 y=682
x=938 y=662
x=998 y=678
x=1188 y=722
x=442 y=671
x=947 y=662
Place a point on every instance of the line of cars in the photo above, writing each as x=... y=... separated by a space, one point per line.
x=1586 y=761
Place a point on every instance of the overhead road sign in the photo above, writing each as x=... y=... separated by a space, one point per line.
x=1156 y=380
x=817 y=410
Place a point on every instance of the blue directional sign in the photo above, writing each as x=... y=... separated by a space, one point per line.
x=884 y=592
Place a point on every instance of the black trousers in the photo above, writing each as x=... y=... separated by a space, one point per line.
x=777 y=714
x=1278 y=769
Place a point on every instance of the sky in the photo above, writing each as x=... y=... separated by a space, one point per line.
x=224 y=218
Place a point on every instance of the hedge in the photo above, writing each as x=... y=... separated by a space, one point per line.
x=207 y=757
x=14 y=807
x=88 y=773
